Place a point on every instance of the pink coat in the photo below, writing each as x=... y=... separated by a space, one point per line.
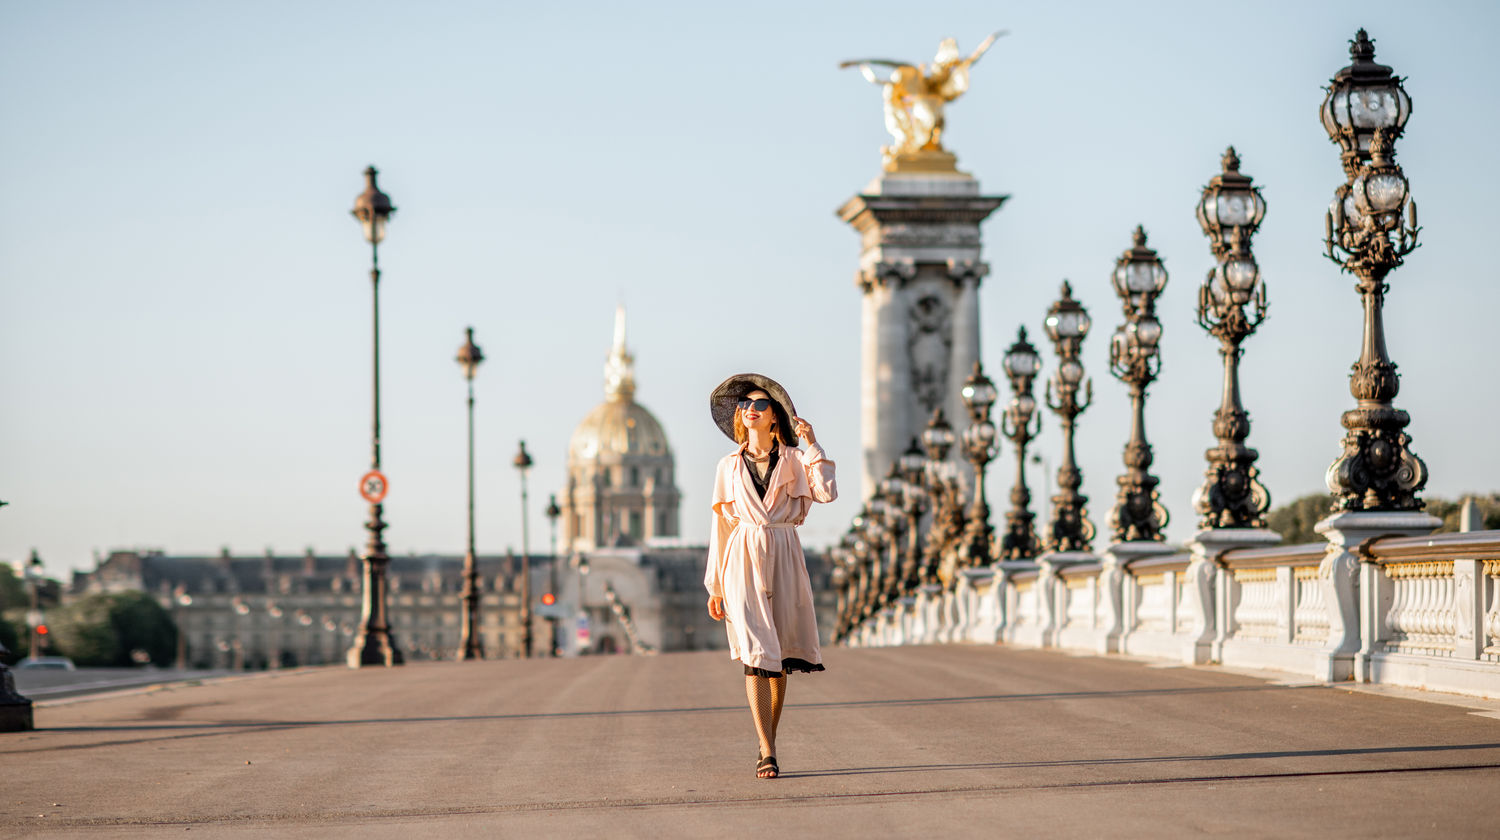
x=755 y=560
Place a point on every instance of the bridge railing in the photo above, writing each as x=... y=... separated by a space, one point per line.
x=1420 y=611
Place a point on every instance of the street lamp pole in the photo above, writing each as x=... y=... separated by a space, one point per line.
x=471 y=642
x=1067 y=323
x=1021 y=423
x=1230 y=212
x=979 y=442
x=523 y=463
x=1135 y=359
x=947 y=505
x=552 y=512
x=1371 y=227
x=375 y=644
x=34 y=617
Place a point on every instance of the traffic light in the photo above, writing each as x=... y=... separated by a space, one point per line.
x=548 y=599
x=41 y=629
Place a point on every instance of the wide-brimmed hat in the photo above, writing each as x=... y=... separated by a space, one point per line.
x=726 y=398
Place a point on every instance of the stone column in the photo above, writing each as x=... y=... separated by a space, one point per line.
x=920 y=270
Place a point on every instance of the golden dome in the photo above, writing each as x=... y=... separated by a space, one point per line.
x=615 y=428
x=619 y=425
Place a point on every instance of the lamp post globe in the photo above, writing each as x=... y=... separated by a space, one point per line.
x=1363 y=98
x=374 y=644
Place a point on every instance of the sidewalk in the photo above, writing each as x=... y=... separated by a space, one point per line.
x=934 y=741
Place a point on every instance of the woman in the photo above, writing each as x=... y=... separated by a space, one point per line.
x=757 y=577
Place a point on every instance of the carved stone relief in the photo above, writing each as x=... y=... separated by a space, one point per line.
x=930 y=344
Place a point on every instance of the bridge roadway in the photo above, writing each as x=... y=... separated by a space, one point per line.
x=920 y=741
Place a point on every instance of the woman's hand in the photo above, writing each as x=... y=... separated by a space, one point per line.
x=716 y=608
x=804 y=430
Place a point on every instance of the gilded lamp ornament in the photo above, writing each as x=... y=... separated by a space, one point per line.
x=1231 y=305
x=1370 y=228
x=914 y=97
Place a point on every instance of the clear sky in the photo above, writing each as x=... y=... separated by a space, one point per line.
x=184 y=298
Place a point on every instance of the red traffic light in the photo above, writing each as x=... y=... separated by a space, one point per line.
x=41 y=629
x=548 y=599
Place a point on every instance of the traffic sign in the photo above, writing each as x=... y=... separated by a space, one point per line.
x=373 y=486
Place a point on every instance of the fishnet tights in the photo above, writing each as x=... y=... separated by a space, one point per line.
x=766 y=695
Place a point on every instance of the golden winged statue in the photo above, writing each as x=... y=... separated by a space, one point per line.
x=914 y=96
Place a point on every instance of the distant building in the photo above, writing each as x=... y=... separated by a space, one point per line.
x=621 y=489
x=623 y=582
x=283 y=611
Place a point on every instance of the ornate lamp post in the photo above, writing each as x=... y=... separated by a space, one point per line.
x=1371 y=227
x=947 y=507
x=552 y=512
x=1021 y=424
x=892 y=492
x=1231 y=305
x=374 y=645
x=35 y=622
x=1067 y=324
x=979 y=441
x=875 y=542
x=913 y=465
x=1135 y=359
x=523 y=463
x=471 y=644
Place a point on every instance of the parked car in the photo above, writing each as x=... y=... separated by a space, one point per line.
x=46 y=663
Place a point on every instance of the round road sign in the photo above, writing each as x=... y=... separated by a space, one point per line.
x=372 y=486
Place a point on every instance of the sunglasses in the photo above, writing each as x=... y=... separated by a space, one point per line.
x=758 y=405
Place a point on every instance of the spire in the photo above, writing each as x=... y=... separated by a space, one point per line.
x=619 y=371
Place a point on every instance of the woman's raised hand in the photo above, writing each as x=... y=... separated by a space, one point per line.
x=716 y=608
x=804 y=430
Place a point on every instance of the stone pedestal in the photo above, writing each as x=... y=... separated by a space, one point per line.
x=1209 y=593
x=1344 y=658
x=919 y=272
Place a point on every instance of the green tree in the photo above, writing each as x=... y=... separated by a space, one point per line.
x=1294 y=520
x=102 y=630
x=12 y=589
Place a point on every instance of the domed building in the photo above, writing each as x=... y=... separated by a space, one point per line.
x=621 y=488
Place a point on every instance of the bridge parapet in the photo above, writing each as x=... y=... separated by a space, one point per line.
x=1427 y=608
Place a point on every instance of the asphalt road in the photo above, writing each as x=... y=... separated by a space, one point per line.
x=935 y=741
x=48 y=684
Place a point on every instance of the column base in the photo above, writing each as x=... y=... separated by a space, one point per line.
x=369 y=651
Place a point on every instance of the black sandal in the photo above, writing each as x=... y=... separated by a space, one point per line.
x=767 y=765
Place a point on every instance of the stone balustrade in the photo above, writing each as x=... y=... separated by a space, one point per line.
x=1421 y=611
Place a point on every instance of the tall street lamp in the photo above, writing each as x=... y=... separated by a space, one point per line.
x=552 y=512
x=471 y=643
x=1020 y=423
x=1231 y=305
x=1067 y=323
x=523 y=463
x=1370 y=228
x=979 y=441
x=1135 y=359
x=914 y=503
x=375 y=644
x=34 y=619
x=947 y=505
